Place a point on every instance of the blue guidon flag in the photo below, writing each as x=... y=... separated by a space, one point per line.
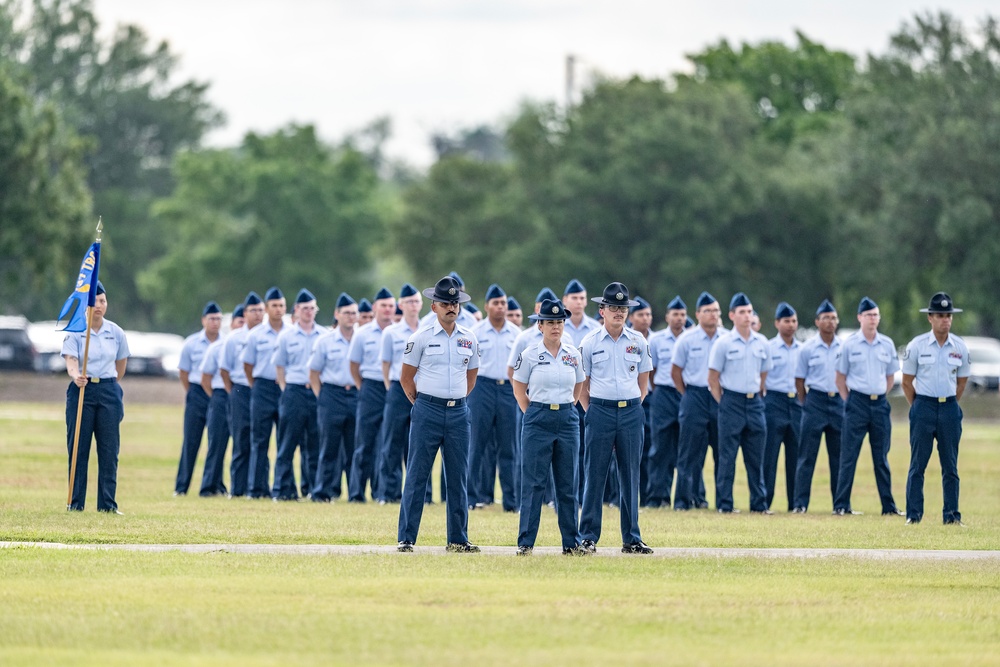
x=85 y=293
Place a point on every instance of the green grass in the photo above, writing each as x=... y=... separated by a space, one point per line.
x=117 y=607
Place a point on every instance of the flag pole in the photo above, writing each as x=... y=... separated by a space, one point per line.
x=79 y=401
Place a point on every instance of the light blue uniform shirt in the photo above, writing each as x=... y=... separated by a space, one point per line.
x=613 y=366
x=210 y=363
x=192 y=353
x=366 y=350
x=259 y=350
x=393 y=343
x=465 y=319
x=817 y=364
x=442 y=360
x=329 y=357
x=550 y=379
x=577 y=334
x=495 y=347
x=784 y=361
x=936 y=368
x=530 y=336
x=292 y=352
x=740 y=361
x=661 y=349
x=231 y=359
x=107 y=345
x=867 y=365
x=691 y=354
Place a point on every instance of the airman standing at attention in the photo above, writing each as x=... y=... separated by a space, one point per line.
x=616 y=363
x=196 y=400
x=366 y=368
x=936 y=368
x=265 y=393
x=781 y=404
x=336 y=403
x=514 y=314
x=218 y=412
x=235 y=379
x=365 y=314
x=440 y=364
x=665 y=403
x=865 y=374
x=822 y=406
x=640 y=320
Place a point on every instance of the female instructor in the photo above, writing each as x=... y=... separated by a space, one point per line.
x=548 y=376
x=102 y=403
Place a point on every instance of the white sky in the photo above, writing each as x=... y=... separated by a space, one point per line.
x=441 y=65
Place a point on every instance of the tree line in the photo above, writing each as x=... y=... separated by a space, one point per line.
x=789 y=171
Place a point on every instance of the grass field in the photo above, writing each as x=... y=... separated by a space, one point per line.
x=118 y=607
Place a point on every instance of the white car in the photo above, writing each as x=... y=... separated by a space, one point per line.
x=984 y=354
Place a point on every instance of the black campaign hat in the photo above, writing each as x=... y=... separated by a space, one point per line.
x=447 y=290
x=551 y=309
x=941 y=303
x=615 y=294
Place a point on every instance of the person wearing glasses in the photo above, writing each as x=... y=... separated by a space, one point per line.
x=865 y=374
x=936 y=368
x=548 y=378
x=616 y=363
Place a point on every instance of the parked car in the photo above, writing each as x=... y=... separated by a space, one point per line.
x=984 y=354
x=48 y=340
x=153 y=353
x=16 y=350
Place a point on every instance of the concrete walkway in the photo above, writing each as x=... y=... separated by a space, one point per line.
x=438 y=550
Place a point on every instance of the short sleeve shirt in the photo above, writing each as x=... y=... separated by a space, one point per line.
x=935 y=367
x=613 y=366
x=550 y=379
x=107 y=345
x=442 y=361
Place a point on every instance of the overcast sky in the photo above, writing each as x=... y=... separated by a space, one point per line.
x=441 y=65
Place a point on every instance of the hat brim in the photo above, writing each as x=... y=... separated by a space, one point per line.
x=940 y=310
x=631 y=303
x=462 y=297
x=547 y=318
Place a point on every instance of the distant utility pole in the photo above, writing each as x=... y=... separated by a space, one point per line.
x=570 y=70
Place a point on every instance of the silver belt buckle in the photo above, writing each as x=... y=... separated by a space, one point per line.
x=553 y=406
x=450 y=404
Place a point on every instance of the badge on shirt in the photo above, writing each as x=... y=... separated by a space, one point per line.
x=517 y=364
x=632 y=349
x=465 y=343
x=569 y=360
x=409 y=348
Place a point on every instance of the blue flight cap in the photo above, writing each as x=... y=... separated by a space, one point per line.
x=677 y=304
x=642 y=305
x=399 y=311
x=739 y=299
x=512 y=304
x=210 y=309
x=574 y=287
x=344 y=300
x=407 y=290
x=689 y=323
x=458 y=279
x=273 y=294
x=495 y=292
x=100 y=288
x=252 y=299
x=866 y=305
x=825 y=307
x=364 y=306
x=705 y=299
x=546 y=293
x=783 y=310
x=304 y=296
x=471 y=307
x=238 y=311
x=383 y=293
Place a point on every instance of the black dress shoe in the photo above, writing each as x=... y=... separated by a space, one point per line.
x=405 y=547
x=799 y=510
x=847 y=512
x=636 y=548
x=462 y=548
x=766 y=512
x=954 y=522
x=731 y=510
x=524 y=550
x=589 y=546
x=894 y=512
x=703 y=505
x=912 y=522
x=113 y=511
x=578 y=550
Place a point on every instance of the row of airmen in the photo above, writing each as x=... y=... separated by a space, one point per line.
x=336 y=395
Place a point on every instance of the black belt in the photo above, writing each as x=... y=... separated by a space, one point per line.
x=870 y=397
x=820 y=392
x=446 y=402
x=340 y=387
x=100 y=380
x=936 y=399
x=551 y=406
x=492 y=381
x=790 y=395
x=627 y=403
x=750 y=395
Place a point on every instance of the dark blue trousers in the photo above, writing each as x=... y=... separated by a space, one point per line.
x=367 y=438
x=862 y=415
x=822 y=415
x=395 y=430
x=102 y=413
x=741 y=426
x=239 y=426
x=618 y=431
x=336 y=410
x=930 y=420
x=218 y=442
x=550 y=441
x=784 y=425
x=698 y=415
x=581 y=464
x=264 y=400
x=195 y=418
x=664 y=432
x=492 y=412
x=297 y=427
x=647 y=441
x=432 y=427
